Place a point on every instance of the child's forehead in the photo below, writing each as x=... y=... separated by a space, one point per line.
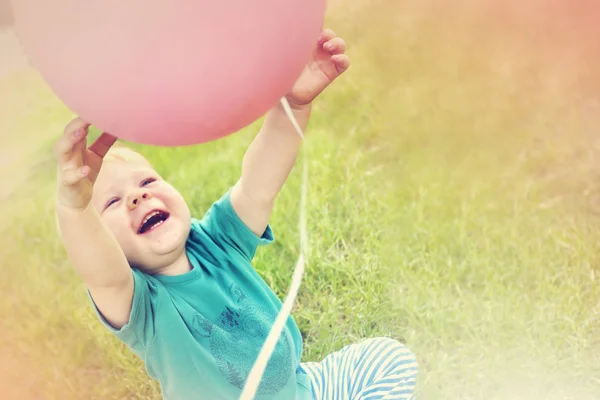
x=117 y=170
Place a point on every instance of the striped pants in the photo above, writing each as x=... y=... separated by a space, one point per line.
x=376 y=369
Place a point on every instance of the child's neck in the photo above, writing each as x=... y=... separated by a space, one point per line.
x=179 y=267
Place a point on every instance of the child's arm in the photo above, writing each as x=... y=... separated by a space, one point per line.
x=92 y=249
x=272 y=155
x=266 y=166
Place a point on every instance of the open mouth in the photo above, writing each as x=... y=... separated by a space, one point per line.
x=153 y=220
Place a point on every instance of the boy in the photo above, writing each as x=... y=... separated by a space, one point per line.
x=181 y=292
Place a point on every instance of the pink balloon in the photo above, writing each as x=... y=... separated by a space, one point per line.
x=169 y=72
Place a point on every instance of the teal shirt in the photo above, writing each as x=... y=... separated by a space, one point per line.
x=199 y=333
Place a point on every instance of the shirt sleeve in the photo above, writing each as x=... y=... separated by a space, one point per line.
x=138 y=332
x=222 y=224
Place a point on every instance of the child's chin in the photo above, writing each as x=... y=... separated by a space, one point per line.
x=169 y=245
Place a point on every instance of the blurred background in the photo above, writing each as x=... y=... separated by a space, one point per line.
x=454 y=205
x=6 y=17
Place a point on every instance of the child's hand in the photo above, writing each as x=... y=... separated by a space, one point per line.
x=327 y=63
x=78 y=166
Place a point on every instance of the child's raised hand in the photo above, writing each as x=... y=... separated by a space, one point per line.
x=78 y=166
x=327 y=63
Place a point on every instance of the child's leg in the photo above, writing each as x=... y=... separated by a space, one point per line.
x=376 y=369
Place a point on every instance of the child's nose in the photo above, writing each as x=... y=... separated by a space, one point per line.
x=137 y=198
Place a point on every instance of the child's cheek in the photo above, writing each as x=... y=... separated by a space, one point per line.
x=118 y=225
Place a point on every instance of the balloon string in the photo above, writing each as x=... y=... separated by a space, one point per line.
x=255 y=376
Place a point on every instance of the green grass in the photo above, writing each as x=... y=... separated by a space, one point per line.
x=451 y=206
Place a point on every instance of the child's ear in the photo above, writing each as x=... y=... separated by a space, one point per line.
x=202 y=326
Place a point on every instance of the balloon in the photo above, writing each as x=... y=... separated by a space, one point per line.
x=167 y=72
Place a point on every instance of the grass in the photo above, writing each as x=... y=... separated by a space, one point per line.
x=453 y=205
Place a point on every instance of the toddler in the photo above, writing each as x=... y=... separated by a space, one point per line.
x=181 y=292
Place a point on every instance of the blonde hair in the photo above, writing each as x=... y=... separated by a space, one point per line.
x=120 y=152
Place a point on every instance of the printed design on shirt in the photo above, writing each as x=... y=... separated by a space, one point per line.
x=236 y=339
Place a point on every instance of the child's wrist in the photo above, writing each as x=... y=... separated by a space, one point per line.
x=61 y=207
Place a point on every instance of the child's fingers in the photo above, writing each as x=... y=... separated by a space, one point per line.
x=68 y=143
x=341 y=61
x=337 y=45
x=76 y=124
x=72 y=176
x=74 y=132
x=326 y=36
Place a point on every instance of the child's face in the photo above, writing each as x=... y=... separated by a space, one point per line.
x=148 y=217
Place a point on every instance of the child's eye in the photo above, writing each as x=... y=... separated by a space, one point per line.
x=111 y=202
x=147 y=181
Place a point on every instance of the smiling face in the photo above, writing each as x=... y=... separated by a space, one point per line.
x=148 y=217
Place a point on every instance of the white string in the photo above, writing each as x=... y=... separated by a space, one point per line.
x=255 y=376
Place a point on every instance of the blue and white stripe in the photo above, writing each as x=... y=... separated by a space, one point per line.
x=375 y=369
